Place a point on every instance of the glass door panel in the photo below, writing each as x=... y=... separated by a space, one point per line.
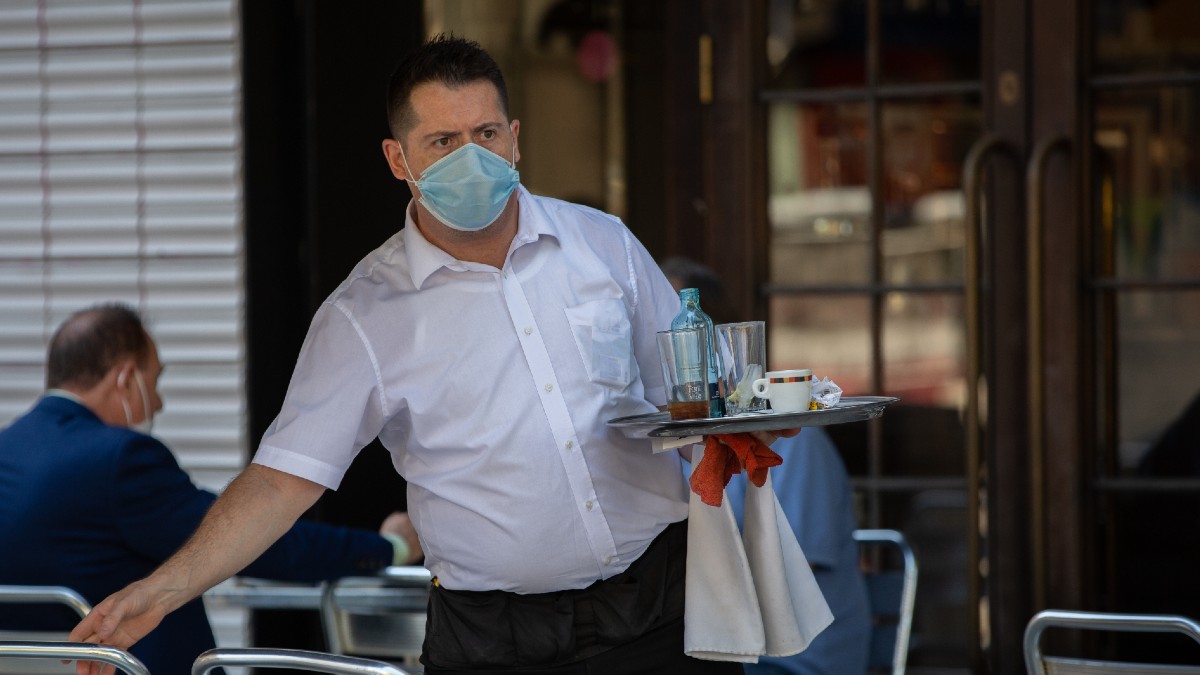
x=819 y=206
x=924 y=144
x=929 y=40
x=871 y=108
x=924 y=358
x=1144 y=286
x=815 y=43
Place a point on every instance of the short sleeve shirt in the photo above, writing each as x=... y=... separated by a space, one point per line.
x=491 y=388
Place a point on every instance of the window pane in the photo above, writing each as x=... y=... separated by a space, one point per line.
x=819 y=206
x=1148 y=201
x=1159 y=341
x=923 y=364
x=816 y=43
x=924 y=345
x=1145 y=36
x=923 y=152
x=929 y=40
x=828 y=334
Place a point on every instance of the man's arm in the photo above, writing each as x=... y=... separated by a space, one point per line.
x=253 y=511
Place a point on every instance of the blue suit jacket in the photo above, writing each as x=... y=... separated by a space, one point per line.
x=96 y=507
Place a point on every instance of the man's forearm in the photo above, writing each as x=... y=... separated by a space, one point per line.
x=255 y=510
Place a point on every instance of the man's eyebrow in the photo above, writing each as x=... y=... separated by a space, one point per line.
x=451 y=134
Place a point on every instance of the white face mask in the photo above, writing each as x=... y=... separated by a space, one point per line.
x=147 y=423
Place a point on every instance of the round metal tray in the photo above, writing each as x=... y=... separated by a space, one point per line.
x=849 y=409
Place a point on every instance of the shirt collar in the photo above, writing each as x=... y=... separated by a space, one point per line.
x=424 y=258
x=63 y=393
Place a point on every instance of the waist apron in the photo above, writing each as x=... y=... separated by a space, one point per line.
x=499 y=629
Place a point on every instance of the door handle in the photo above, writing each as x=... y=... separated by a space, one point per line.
x=972 y=182
x=1035 y=376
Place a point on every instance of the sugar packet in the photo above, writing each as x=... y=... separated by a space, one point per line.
x=825 y=394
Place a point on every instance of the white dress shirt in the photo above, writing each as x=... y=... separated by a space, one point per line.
x=491 y=389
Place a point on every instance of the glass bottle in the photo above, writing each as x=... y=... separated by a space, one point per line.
x=691 y=315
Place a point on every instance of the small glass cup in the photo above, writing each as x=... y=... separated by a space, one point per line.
x=684 y=357
x=743 y=350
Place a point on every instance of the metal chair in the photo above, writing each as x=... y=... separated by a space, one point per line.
x=1036 y=663
x=54 y=652
x=379 y=617
x=892 y=594
x=299 y=659
x=60 y=595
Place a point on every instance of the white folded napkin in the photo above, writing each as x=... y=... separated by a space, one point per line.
x=752 y=595
x=670 y=443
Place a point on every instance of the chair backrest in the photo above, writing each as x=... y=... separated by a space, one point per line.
x=59 y=595
x=1037 y=663
x=29 y=652
x=892 y=594
x=296 y=659
x=379 y=617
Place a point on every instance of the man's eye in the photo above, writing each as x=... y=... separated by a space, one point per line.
x=488 y=134
x=442 y=142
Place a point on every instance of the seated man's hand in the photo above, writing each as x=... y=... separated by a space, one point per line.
x=399 y=524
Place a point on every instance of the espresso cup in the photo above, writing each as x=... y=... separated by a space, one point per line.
x=788 y=390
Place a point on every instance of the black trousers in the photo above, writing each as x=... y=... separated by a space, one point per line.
x=630 y=623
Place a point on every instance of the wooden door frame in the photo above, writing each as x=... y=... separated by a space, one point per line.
x=1057 y=76
x=714 y=162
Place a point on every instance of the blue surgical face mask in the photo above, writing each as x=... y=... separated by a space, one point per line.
x=468 y=188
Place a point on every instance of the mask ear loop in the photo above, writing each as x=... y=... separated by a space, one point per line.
x=145 y=396
x=514 y=144
x=404 y=159
x=121 y=379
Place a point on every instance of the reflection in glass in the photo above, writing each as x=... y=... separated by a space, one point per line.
x=816 y=44
x=1148 y=201
x=1159 y=340
x=1141 y=36
x=819 y=206
x=929 y=40
x=923 y=349
x=828 y=334
x=924 y=147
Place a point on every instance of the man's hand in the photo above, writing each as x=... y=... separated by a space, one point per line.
x=119 y=621
x=769 y=437
x=253 y=511
x=398 y=523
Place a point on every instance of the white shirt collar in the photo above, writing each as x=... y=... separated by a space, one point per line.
x=424 y=258
x=63 y=393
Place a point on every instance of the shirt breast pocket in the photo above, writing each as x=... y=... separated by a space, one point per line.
x=605 y=341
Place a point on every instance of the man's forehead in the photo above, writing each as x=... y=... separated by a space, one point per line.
x=435 y=103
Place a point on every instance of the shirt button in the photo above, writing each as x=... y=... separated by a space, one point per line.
x=528 y=330
x=569 y=444
x=588 y=504
x=549 y=388
x=608 y=560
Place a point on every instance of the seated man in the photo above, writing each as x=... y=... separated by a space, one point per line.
x=90 y=501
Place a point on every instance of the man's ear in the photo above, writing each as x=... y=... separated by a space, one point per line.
x=395 y=158
x=515 y=125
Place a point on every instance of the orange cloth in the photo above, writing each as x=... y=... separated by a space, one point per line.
x=726 y=455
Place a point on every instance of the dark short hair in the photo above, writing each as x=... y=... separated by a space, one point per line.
x=689 y=273
x=451 y=60
x=91 y=341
